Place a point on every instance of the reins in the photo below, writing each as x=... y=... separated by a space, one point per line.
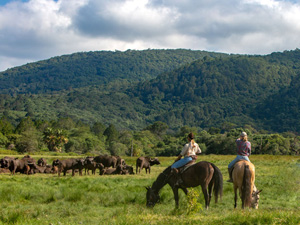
x=166 y=177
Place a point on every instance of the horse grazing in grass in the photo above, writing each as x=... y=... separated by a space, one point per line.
x=243 y=176
x=205 y=174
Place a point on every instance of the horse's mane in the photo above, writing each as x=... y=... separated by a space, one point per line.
x=161 y=180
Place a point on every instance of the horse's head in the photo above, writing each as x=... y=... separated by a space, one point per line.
x=152 y=197
x=255 y=197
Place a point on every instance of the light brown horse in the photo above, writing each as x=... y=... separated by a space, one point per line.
x=243 y=176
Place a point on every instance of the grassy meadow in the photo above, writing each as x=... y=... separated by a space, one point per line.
x=121 y=199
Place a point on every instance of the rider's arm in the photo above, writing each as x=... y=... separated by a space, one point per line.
x=249 y=148
x=178 y=158
x=198 y=150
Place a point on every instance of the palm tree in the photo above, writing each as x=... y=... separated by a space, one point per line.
x=54 y=139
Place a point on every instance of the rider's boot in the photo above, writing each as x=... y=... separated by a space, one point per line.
x=230 y=175
x=179 y=181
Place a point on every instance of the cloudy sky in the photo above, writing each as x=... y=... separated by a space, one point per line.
x=32 y=30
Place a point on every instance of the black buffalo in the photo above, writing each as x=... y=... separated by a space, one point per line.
x=112 y=171
x=107 y=160
x=128 y=169
x=145 y=162
x=91 y=164
x=37 y=169
x=6 y=161
x=120 y=161
x=69 y=164
x=19 y=165
x=42 y=162
x=29 y=159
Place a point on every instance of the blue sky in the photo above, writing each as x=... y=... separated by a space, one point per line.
x=4 y=2
x=32 y=30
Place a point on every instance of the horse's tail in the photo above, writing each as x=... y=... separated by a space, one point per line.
x=217 y=181
x=247 y=187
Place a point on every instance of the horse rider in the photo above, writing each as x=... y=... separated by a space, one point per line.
x=188 y=153
x=243 y=152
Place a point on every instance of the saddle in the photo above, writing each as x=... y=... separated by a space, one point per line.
x=230 y=170
x=180 y=170
x=186 y=166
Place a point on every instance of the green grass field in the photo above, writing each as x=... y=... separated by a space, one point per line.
x=121 y=199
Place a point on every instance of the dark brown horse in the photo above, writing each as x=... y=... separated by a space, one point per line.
x=205 y=174
x=243 y=176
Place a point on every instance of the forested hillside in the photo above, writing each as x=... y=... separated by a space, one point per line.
x=102 y=68
x=256 y=90
x=133 y=89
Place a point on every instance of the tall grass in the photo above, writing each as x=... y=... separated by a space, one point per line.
x=120 y=199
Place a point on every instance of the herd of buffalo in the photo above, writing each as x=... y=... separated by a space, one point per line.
x=106 y=165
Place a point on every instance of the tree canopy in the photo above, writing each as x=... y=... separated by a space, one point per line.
x=135 y=89
x=46 y=137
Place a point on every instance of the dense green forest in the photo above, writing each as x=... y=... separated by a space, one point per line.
x=102 y=69
x=68 y=136
x=134 y=89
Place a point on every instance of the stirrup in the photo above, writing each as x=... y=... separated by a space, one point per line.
x=178 y=182
x=174 y=171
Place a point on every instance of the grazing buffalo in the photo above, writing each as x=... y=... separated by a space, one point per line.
x=6 y=161
x=19 y=165
x=37 y=169
x=90 y=164
x=145 y=162
x=54 y=169
x=29 y=159
x=15 y=165
x=106 y=160
x=120 y=161
x=50 y=169
x=112 y=171
x=69 y=164
x=42 y=162
x=55 y=163
x=128 y=169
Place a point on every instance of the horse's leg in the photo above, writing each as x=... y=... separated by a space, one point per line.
x=210 y=187
x=242 y=197
x=141 y=167
x=243 y=203
x=206 y=197
x=176 y=197
x=235 y=196
x=185 y=190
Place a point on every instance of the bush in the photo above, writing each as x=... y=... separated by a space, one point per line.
x=193 y=205
x=118 y=149
x=27 y=143
x=3 y=140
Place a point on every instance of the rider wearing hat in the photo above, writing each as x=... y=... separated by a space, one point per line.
x=243 y=152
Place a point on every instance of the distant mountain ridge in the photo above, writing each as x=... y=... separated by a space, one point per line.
x=94 y=68
x=203 y=91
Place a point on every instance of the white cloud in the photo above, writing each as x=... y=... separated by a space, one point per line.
x=40 y=29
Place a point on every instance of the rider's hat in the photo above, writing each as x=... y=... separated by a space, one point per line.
x=243 y=134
